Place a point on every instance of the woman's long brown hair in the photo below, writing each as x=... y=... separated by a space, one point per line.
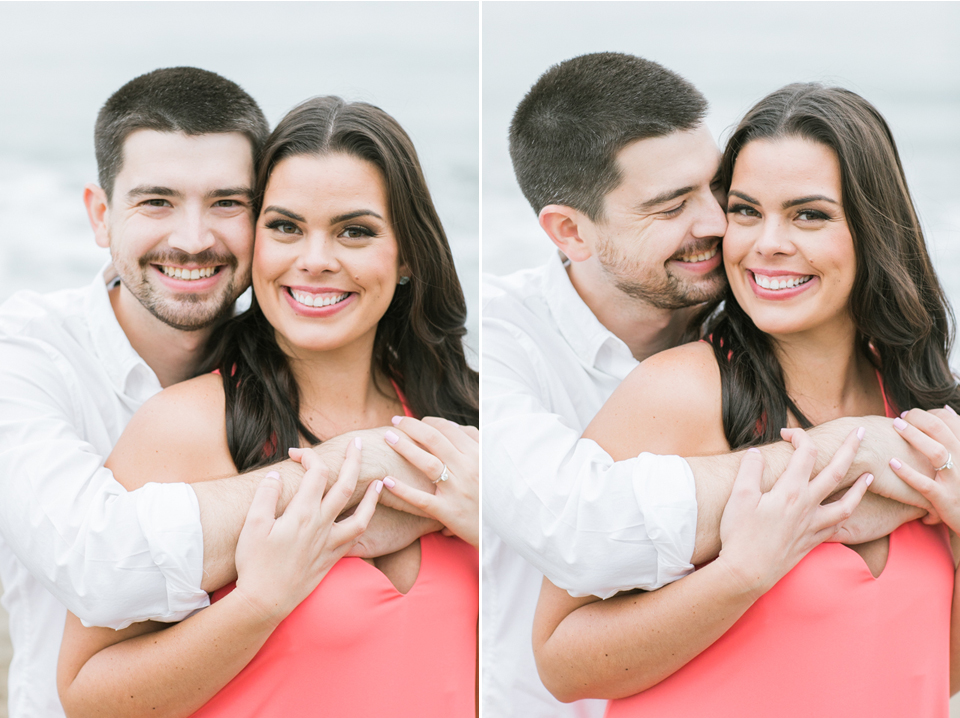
x=904 y=323
x=419 y=341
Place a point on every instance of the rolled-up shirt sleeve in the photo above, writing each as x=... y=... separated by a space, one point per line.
x=110 y=556
x=593 y=526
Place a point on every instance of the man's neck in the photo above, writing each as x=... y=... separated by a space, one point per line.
x=173 y=354
x=645 y=329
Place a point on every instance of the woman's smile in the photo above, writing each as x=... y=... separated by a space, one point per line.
x=788 y=250
x=326 y=261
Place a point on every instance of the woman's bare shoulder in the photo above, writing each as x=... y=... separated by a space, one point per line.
x=669 y=404
x=178 y=435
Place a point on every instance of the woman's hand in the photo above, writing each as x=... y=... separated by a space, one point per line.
x=763 y=536
x=434 y=445
x=281 y=560
x=934 y=434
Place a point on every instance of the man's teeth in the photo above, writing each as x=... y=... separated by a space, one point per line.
x=702 y=257
x=318 y=300
x=768 y=283
x=180 y=273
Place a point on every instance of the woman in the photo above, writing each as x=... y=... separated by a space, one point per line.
x=357 y=320
x=833 y=310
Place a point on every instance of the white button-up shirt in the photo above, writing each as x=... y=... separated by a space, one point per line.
x=70 y=535
x=554 y=503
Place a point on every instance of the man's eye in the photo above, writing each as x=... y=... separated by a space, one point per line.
x=228 y=203
x=158 y=203
x=675 y=211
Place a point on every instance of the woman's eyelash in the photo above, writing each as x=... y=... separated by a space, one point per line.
x=741 y=208
x=280 y=224
x=360 y=229
x=814 y=214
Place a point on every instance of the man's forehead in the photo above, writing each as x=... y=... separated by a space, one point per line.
x=656 y=169
x=162 y=158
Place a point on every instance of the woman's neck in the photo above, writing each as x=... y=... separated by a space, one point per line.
x=827 y=375
x=339 y=391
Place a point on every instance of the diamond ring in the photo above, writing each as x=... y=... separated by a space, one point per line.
x=445 y=474
x=948 y=465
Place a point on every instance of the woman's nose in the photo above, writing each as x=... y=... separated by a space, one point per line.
x=773 y=238
x=319 y=255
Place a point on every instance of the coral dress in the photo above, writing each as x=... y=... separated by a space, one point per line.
x=358 y=647
x=828 y=640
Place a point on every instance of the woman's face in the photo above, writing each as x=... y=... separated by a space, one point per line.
x=325 y=262
x=788 y=251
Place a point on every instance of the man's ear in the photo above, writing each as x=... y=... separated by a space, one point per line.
x=95 y=200
x=567 y=228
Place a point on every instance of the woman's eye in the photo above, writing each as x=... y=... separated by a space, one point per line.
x=743 y=210
x=356 y=232
x=811 y=215
x=283 y=227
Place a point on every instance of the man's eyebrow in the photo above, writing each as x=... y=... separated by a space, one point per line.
x=285 y=212
x=812 y=198
x=231 y=192
x=143 y=189
x=353 y=215
x=664 y=197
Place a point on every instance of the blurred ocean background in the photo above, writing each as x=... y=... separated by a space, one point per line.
x=419 y=61
x=904 y=57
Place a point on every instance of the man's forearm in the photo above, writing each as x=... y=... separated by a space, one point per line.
x=714 y=477
x=224 y=502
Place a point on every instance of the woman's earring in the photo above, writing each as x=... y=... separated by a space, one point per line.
x=403 y=280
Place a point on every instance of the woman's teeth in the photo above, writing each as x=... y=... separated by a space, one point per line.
x=768 y=283
x=702 y=257
x=181 y=273
x=317 y=300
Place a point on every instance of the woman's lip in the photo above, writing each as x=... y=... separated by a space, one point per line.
x=777 y=272
x=779 y=294
x=318 y=290
x=330 y=310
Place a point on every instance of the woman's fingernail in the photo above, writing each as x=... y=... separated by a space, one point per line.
x=396 y=420
x=899 y=423
x=860 y=432
x=357 y=442
x=903 y=414
x=895 y=464
x=454 y=423
x=869 y=479
x=388 y=480
x=754 y=448
x=391 y=437
x=272 y=475
x=950 y=409
x=378 y=486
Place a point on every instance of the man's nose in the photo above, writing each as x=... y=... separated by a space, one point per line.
x=712 y=220
x=193 y=232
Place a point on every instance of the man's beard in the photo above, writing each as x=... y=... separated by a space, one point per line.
x=664 y=291
x=186 y=311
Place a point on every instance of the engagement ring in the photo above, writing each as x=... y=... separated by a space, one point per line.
x=444 y=475
x=948 y=465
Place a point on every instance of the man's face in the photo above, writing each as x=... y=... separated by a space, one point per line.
x=659 y=238
x=180 y=223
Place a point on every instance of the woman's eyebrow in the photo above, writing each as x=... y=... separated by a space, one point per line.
x=285 y=213
x=353 y=215
x=812 y=198
x=741 y=195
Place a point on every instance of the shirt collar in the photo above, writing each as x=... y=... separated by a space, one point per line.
x=128 y=372
x=576 y=321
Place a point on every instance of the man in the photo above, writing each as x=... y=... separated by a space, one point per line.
x=175 y=151
x=612 y=154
